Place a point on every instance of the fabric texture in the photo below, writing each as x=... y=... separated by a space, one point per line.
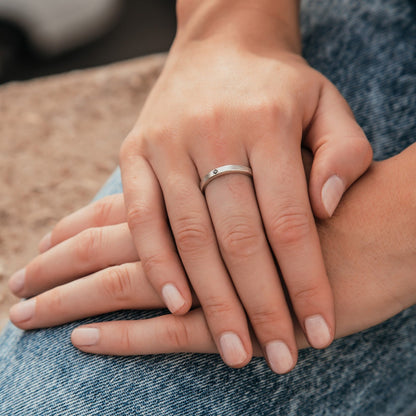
x=368 y=49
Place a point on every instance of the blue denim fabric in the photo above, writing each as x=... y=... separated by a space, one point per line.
x=368 y=49
x=112 y=186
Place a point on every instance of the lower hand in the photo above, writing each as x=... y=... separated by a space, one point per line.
x=369 y=251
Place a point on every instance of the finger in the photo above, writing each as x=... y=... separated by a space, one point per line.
x=161 y=335
x=197 y=245
x=111 y=289
x=151 y=234
x=91 y=250
x=107 y=211
x=165 y=334
x=247 y=255
x=282 y=195
x=341 y=151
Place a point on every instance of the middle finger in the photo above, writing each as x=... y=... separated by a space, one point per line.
x=112 y=289
x=246 y=253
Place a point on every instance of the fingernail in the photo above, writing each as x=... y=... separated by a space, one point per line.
x=23 y=311
x=232 y=349
x=332 y=193
x=85 y=337
x=172 y=297
x=317 y=331
x=17 y=281
x=279 y=357
x=45 y=243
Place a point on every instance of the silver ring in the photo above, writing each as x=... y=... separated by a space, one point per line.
x=224 y=170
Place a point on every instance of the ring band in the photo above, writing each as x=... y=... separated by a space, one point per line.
x=224 y=170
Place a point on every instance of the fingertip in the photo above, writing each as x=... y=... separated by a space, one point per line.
x=279 y=357
x=331 y=194
x=17 y=282
x=21 y=313
x=82 y=337
x=327 y=185
x=233 y=351
x=183 y=310
x=318 y=332
x=174 y=300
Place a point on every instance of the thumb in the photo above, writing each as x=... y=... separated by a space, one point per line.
x=341 y=152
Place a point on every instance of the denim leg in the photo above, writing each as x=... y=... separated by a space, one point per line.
x=368 y=50
x=112 y=186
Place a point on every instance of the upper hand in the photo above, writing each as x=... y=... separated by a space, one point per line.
x=221 y=102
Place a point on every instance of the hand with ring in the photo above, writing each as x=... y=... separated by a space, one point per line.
x=236 y=101
x=99 y=270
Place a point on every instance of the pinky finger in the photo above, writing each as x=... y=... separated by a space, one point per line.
x=160 y=335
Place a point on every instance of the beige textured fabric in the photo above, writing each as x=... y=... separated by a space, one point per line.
x=59 y=141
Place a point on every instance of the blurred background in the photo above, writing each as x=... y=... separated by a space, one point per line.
x=60 y=136
x=45 y=37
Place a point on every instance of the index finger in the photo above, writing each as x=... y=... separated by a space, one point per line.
x=106 y=211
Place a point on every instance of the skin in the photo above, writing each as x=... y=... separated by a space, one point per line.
x=369 y=247
x=235 y=90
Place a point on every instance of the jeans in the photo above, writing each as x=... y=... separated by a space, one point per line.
x=368 y=49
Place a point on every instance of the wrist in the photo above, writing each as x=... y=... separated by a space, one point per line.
x=403 y=168
x=401 y=171
x=263 y=24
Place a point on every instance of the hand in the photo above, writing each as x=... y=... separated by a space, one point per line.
x=369 y=249
x=236 y=93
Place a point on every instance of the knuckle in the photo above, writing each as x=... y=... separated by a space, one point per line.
x=127 y=149
x=261 y=317
x=88 y=243
x=124 y=149
x=191 y=234
x=138 y=214
x=152 y=264
x=34 y=271
x=61 y=227
x=362 y=148
x=184 y=190
x=102 y=211
x=304 y=293
x=216 y=309
x=160 y=134
x=274 y=112
x=290 y=227
x=241 y=239
x=175 y=334
x=207 y=119
x=124 y=338
x=270 y=113
x=271 y=110
x=55 y=301
x=153 y=138
x=117 y=284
